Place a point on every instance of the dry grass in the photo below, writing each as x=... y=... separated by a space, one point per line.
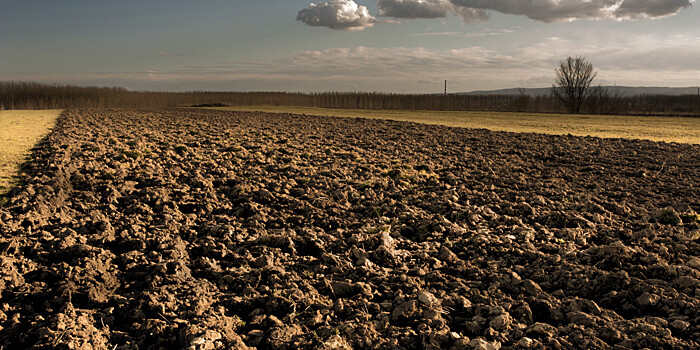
x=669 y=129
x=19 y=131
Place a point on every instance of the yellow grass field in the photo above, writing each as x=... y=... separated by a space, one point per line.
x=19 y=131
x=669 y=129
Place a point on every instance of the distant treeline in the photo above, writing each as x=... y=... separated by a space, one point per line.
x=28 y=95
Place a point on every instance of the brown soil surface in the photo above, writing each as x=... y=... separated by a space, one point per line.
x=211 y=230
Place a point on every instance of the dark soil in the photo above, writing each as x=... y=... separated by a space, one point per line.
x=217 y=104
x=210 y=230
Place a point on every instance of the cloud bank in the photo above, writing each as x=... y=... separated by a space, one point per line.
x=651 y=9
x=620 y=58
x=348 y=15
x=428 y=9
x=640 y=59
x=337 y=14
x=567 y=10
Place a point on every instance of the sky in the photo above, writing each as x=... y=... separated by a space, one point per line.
x=396 y=46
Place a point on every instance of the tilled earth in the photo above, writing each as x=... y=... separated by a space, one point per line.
x=207 y=230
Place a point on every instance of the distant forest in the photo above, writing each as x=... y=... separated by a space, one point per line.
x=28 y=95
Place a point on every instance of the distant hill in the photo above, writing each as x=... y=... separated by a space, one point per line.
x=626 y=91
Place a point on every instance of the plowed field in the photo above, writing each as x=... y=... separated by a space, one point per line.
x=210 y=230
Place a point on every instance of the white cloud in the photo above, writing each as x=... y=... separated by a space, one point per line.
x=337 y=14
x=395 y=62
x=427 y=9
x=566 y=10
x=481 y=34
x=439 y=34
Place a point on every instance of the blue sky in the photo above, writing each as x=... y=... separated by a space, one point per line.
x=407 y=46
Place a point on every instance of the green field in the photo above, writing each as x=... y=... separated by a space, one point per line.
x=19 y=131
x=669 y=129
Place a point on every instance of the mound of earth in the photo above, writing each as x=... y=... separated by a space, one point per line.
x=216 y=104
x=211 y=230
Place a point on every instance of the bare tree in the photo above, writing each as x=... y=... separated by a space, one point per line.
x=572 y=84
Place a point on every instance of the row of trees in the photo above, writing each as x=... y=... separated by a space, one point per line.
x=595 y=99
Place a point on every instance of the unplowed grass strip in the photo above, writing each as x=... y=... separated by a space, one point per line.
x=668 y=129
x=19 y=131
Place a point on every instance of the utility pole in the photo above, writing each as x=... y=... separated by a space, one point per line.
x=446 y=88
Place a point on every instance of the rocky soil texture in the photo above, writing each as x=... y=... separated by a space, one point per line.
x=208 y=230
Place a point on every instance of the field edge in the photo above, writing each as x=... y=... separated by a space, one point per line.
x=653 y=128
x=21 y=131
